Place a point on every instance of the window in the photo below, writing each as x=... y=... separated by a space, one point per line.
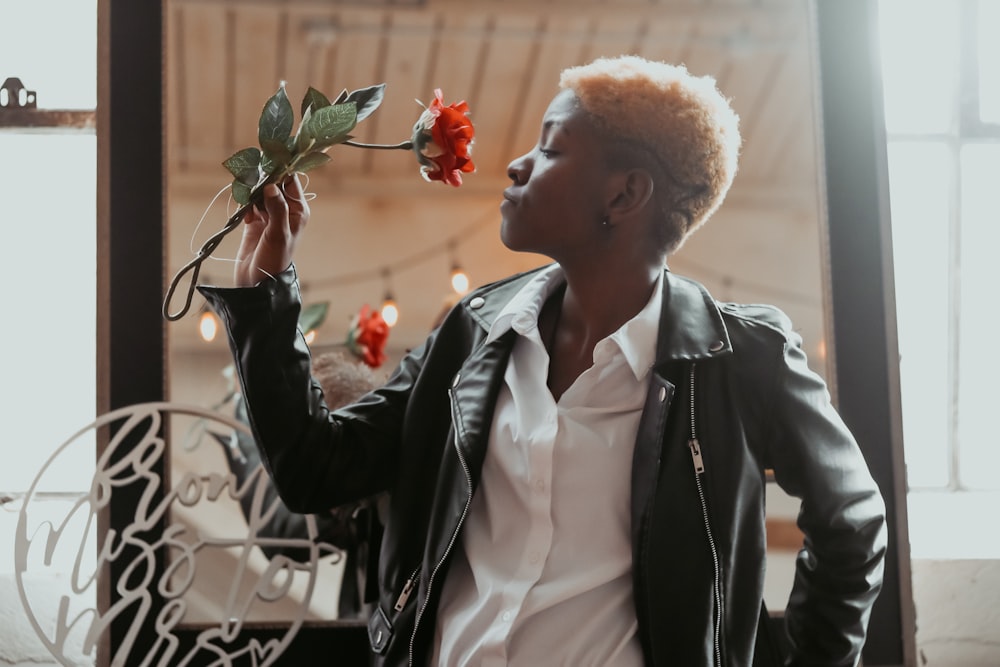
x=941 y=79
x=48 y=341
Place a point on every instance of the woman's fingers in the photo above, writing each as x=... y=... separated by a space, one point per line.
x=270 y=232
x=276 y=209
x=253 y=229
x=295 y=198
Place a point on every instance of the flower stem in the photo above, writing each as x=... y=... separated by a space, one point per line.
x=403 y=145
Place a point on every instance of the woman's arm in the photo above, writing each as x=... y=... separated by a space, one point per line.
x=838 y=573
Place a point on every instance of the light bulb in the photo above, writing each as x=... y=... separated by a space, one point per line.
x=310 y=336
x=459 y=280
x=390 y=311
x=207 y=326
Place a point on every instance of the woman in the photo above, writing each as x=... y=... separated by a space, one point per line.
x=576 y=455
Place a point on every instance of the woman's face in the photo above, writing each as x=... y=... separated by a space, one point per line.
x=556 y=202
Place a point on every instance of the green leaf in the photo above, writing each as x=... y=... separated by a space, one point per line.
x=310 y=161
x=244 y=165
x=241 y=192
x=329 y=125
x=313 y=100
x=302 y=143
x=276 y=156
x=276 y=120
x=313 y=315
x=367 y=100
x=342 y=97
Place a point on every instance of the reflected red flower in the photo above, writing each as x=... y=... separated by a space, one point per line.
x=442 y=140
x=367 y=336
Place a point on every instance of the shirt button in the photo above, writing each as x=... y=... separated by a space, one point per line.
x=716 y=346
x=535 y=557
x=477 y=302
x=506 y=616
x=539 y=485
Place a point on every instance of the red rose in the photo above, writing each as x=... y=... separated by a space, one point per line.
x=442 y=140
x=367 y=336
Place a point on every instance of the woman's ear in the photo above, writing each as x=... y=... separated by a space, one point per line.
x=633 y=189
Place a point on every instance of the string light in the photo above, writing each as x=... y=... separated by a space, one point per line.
x=459 y=278
x=390 y=310
x=208 y=326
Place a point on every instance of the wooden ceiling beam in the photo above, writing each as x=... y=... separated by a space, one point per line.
x=596 y=8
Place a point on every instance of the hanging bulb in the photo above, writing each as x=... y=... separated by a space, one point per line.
x=390 y=311
x=208 y=327
x=459 y=280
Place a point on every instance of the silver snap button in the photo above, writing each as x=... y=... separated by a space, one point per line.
x=454 y=383
x=663 y=394
x=716 y=346
x=477 y=302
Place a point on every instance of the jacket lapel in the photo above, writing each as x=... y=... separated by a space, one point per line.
x=691 y=325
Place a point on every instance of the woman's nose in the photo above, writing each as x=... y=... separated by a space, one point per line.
x=518 y=170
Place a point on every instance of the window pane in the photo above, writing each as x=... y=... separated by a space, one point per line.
x=51 y=46
x=48 y=341
x=979 y=366
x=919 y=174
x=989 y=61
x=919 y=49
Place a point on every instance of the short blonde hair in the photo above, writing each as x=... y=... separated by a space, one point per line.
x=681 y=119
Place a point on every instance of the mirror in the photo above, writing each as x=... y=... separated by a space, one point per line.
x=378 y=229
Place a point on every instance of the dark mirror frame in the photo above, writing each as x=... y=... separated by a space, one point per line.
x=862 y=291
x=131 y=281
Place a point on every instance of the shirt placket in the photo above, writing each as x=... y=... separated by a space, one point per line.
x=538 y=438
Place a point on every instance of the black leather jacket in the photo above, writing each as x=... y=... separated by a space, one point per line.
x=735 y=374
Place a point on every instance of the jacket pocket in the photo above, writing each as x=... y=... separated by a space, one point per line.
x=379 y=631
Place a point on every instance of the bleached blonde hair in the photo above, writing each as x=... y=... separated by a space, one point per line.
x=678 y=119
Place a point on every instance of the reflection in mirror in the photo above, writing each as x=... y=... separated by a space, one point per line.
x=378 y=230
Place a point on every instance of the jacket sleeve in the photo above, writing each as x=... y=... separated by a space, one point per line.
x=838 y=573
x=317 y=458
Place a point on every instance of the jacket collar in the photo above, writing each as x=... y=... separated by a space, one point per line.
x=691 y=325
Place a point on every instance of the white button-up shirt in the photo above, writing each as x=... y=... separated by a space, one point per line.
x=543 y=575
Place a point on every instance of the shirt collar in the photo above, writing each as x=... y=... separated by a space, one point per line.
x=527 y=303
x=636 y=338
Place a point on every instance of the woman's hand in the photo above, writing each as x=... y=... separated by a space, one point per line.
x=271 y=232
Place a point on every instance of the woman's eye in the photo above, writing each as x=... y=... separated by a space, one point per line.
x=546 y=152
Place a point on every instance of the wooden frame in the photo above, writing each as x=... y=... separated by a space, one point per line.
x=861 y=292
x=131 y=279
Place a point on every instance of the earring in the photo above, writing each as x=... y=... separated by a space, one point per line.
x=605 y=223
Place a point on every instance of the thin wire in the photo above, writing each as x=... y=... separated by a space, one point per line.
x=193 y=268
x=408 y=261
x=204 y=213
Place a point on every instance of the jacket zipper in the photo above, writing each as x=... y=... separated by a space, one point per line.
x=454 y=535
x=699 y=470
x=404 y=595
